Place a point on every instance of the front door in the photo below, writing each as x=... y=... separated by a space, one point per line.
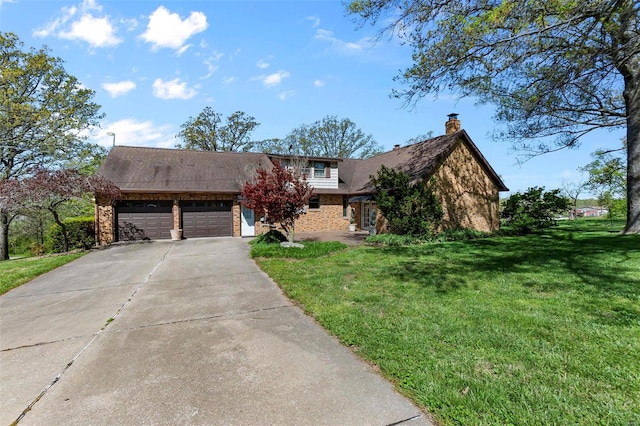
x=248 y=223
x=368 y=214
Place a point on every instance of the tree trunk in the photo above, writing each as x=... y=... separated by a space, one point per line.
x=63 y=228
x=4 y=236
x=632 y=101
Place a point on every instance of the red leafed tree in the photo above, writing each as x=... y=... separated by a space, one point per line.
x=279 y=195
x=49 y=189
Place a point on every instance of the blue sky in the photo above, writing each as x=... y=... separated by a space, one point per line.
x=153 y=64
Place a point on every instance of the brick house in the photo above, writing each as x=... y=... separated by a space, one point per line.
x=199 y=192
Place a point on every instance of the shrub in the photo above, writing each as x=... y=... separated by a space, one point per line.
x=410 y=207
x=461 y=234
x=272 y=237
x=81 y=233
x=534 y=209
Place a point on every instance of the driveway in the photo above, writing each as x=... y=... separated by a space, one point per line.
x=188 y=332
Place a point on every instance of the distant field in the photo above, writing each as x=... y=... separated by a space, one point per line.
x=542 y=329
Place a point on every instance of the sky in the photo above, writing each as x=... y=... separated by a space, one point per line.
x=154 y=64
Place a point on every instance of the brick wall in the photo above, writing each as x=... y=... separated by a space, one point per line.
x=329 y=217
x=105 y=216
x=470 y=199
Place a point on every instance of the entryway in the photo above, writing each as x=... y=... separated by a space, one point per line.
x=247 y=222
x=368 y=214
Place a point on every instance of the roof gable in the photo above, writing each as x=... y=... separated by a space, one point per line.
x=419 y=160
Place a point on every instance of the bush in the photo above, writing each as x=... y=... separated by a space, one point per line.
x=534 y=209
x=81 y=233
x=411 y=208
x=461 y=234
x=272 y=237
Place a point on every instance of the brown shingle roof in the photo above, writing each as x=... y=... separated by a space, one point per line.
x=419 y=161
x=136 y=169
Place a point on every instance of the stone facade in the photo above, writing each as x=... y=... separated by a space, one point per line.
x=105 y=217
x=470 y=199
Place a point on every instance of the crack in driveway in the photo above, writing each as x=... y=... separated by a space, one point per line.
x=95 y=336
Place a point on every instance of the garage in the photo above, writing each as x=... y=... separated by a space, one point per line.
x=140 y=220
x=207 y=219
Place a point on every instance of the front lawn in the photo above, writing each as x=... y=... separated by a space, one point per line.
x=539 y=329
x=14 y=273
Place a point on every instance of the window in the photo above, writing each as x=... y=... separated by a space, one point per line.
x=321 y=170
x=345 y=206
x=314 y=203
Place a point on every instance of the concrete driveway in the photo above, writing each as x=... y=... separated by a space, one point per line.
x=187 y=332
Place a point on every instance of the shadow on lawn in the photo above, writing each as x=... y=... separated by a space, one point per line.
x=601 y=265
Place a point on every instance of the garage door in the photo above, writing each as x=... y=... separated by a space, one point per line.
x=138 y=220
x=206 y=219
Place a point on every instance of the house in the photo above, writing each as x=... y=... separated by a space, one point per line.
x=199 y=192
x=590 y=212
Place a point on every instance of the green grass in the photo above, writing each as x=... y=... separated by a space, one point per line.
x=14 y=273
x=542 y=329
x=311 y=249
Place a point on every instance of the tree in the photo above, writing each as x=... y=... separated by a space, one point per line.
x=49 y=190
x=279 y=195
x=419 y=138
x=572 y=190
x=555 y=69
x=534 y=209
x=411 y=208
x=329 y=137
x=207 y=133
x=607 y=179
x=44 y=115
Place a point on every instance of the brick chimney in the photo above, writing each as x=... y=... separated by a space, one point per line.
x=396 y=147
x=452 y=125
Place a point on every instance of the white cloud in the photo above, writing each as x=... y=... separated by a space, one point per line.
x=131 y=132
x=173 y=89
x=98 y=32
x=51 y=27
x=262 y=64
x=274 y=79
x=120 y=88
x=342 y=46
x=229 y=80
x=284 y=95
x=167 y=29
x=319 y=83
x=212 y=63
x=79 y=23
x=315 y=20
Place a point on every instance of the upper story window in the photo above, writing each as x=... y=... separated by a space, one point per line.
x=321 y=170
